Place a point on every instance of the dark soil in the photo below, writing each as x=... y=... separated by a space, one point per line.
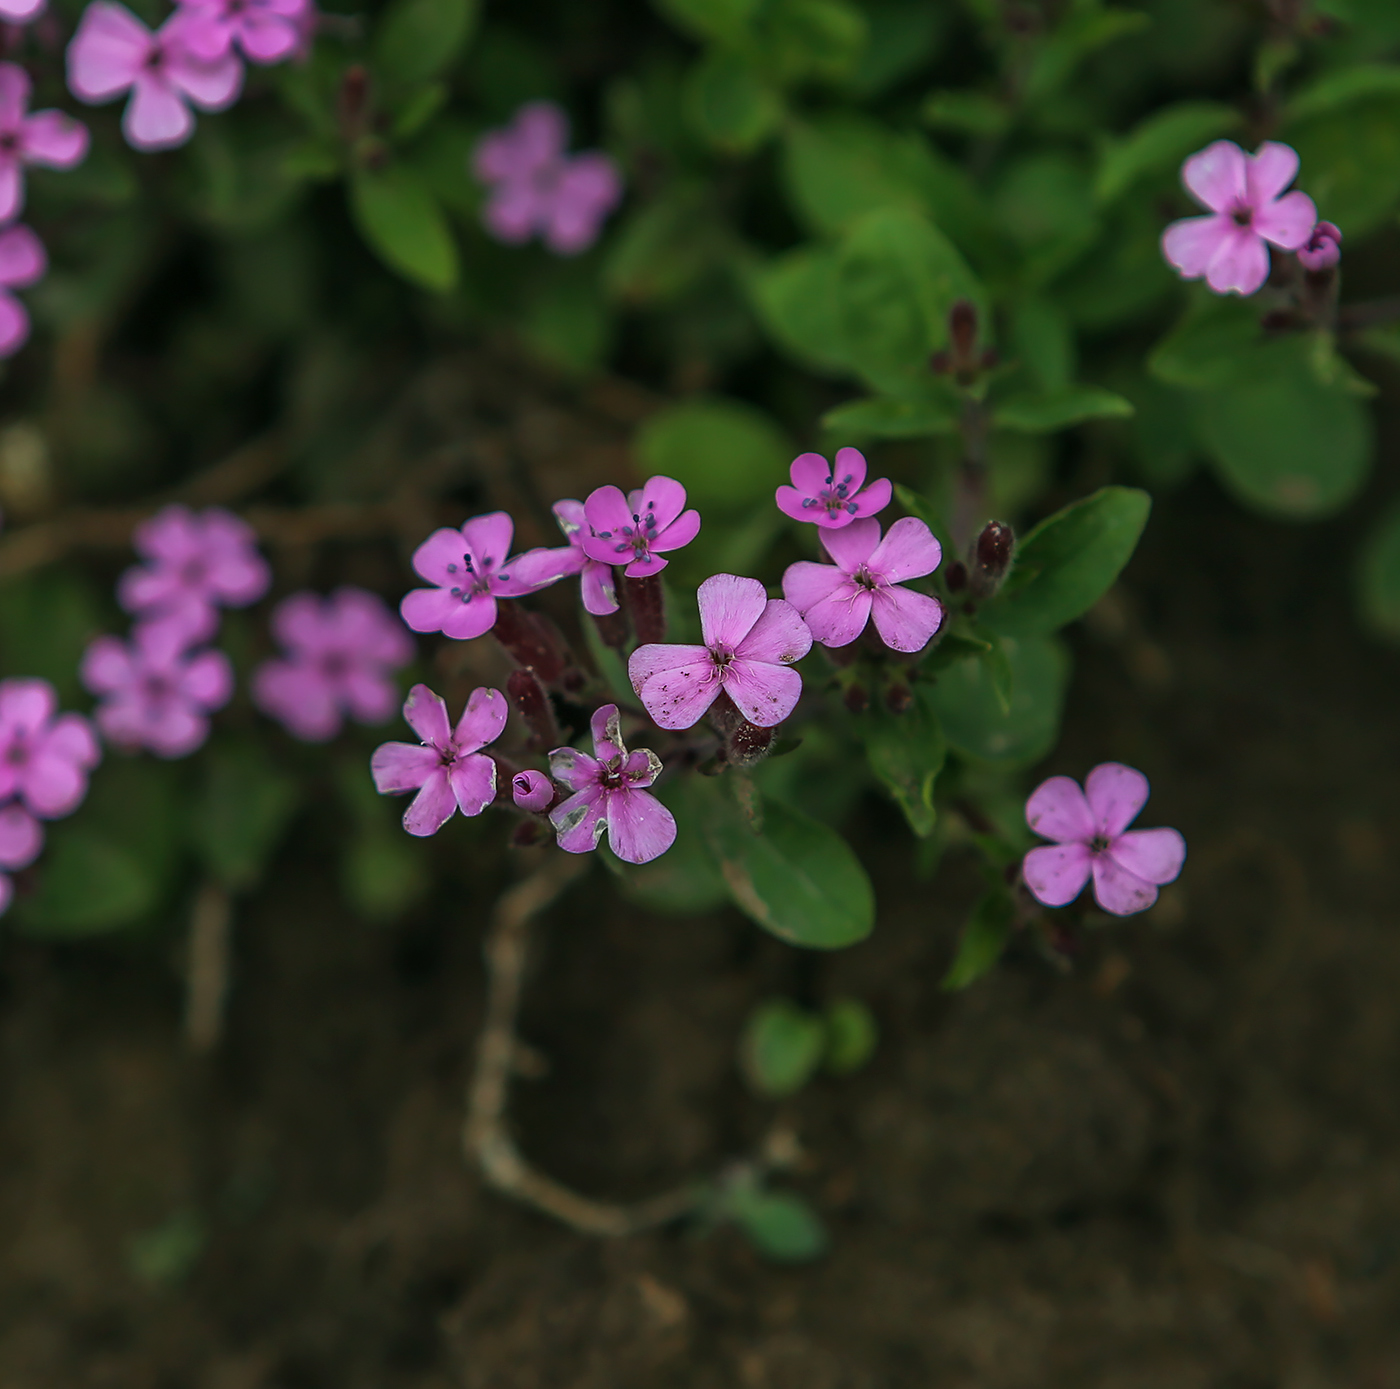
x=1174 y=1167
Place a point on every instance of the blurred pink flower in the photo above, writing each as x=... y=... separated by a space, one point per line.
x=341 y=655
x=831 y=497
x=45 y=756
x=634 y=529
x=155 y=693
x=22 y=262
x=1244 y=194
x=268 y=31
x=113 y=52
x=837 y=600
x=21 y=11
x=448 y=770
x=751 y=642
x=537 y=189
x=1090 y=828
x=21 y=839
x=51 y=138
x=1324 y=248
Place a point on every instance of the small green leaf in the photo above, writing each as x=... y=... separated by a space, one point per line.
x=1160 y=143
x=972 y=113
x=781 y=1226
x=983 y=939
x=781 y=1048
x=906 y=753
x=1379 y=576
x=1343 y=87
x=728 y=103
x=882 y=417
x=416 y=40
x=1042 y=413
x=1215 y=343
x=405 y=225
x=661 y=250
x=1069 y=561
x=239 y=818
x=851 y=1036
x=1074 y=39
x=814 y=39
x=725 y=453
x=795 y=297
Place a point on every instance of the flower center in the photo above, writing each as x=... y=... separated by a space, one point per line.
x=193 y=572
x=9 y=142
x=1243 y=216
x=335 y=665
x=17 y=754
x=477 y=578
x=835 y=496
x=1098 y=844
x=156 y=688
x=154 y=60
x=637 y=537
x=866 y=579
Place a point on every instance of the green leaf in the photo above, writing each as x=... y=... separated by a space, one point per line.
x=1350 y=162
x=972 y=113
x=906 y=753
x=726 y=454
x=383 y=873
x=851 y=1036
x=1378 y=576
x=901 y=39
x=728 y=103
x=1160 y=143
x=781 y=1047
x=964 y=698
x=882 y=417
x=781 y=1226
x=416 y=40
x=1045 y=412
x=239 y=819
x=405 y=225
x=796 y=298
x=48 y=617
x=1344 y=87
x=1215 y=343
x=726 y=21
x=817 y=39
x=1069 y=561
x=1073 y=40
x=983 y=939
x=663 y=249
x=797 y=878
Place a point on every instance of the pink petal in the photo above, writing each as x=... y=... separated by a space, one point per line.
x=177 y=732
x=1119 y=891
x=432 y=807
x=26 y=703
x=71 y=738
x=487 y=540
x=765 y=694
x=1241 y=265
x=779 y=636
x=641 y=768
x=470 y=619
x=908 y=551
x=1155 y=856
x=790 y=502
x=482 y=721
x=570 y=516
x=206 y=35
x=874 y=498
x=540 y=132
x=170 y=535
x=676 y=684
x=599 y=589
x=729 y=607
x=11 y=187
x=210 y=86
x=21 y=837
x=21 y=11
x=439 y=558
x=53 y=785
x=646 y=565
x=849 y=468
x=531 y=791
x=299 y=697
x=1056 y=873
x=55 y=139
x=664 y=497
x=579 y=821
x=810 y=474
x=473 y=781
x=1268 y=172
x=107 y=51
x=587 y=189
x=368 y=695
x=1058 y=810
x=512 y=212
x=402 y=766
x=156 y=118
x=680 y=532
x=574 y=769
x=1191 y=244
x=851 y=546
x=22 y=257
x=267 y=38
x=905 y=620
x=208 y=680
x=608 y=514
x=426 y=714
x=1289 y=222
x=520 y=576
x=14 y=95
x=14 y=324
x=606 y=728
x=840 y=617
x=1216 y=177
x=640 y=828
x=299 y=624
x=539 y=568
x=1115 y=794
x=106 y=666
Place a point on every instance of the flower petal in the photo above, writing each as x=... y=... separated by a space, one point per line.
x=106 y=52
x=1216 y=177
x=1056 y=873
x=680 y=532
x=905 y=620
x=473 y=780
x=908 y=551
x=1115 y=794
x=806 y=583
x=839 y=618
x=1057 y=808
x=22 y=257
x=664 y=498
x=1192 y=243
x=1155 y=856
x=26 y=703
x=473 y=618
x=579 y=821
x=640 y=828
x=106 y=666
x=299 y=697
x=1268 y=171
x=608 y=516
x=402 y=766
x=426 y=714
x=851 y=546
x=794 y=503
x=14 y=324
x=810 y=474
x=1241 y=265
x=207 y=680
x=599 y=589
x=606 y=727
x=574 y=769
x=21 y=837
x=432 y=807
x=765 y=694
x=156 y=117
x=429 y=609
x=676 y=684
x=1289 y=222
x=482 y=720
x=55 y=139
x=210 y=86
x=14 y=93
x=729 y=607
x=780 y=635
x=1119 y=891
x=874 y=498
x=439 y=558
x=487 y=540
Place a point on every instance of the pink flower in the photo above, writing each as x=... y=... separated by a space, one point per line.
x=634 y=528
x=113 y=52
x=50 y=138
x=750 y=643
x=448 y=770
x=598 y=586
x=155 y=692
x=1324 y=248
x=537 y=189
x=22 y=262
x=832 y=497
x=532 y=791
x=1090 y=828
x=45 y=756
x=21 y=839
x=192 y=563
x=266 y=30
x=471 y=571
x=836 y=600
x=341 y=652
x=609 y=795
x=19 y=12
x=1244 y=193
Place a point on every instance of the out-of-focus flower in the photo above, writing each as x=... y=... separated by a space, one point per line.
x=113 y=52
x=633 y=529
x=751 y=642
x=341 y=654
x=22 y=263
x=267 y=31
x=21 y=839
x=837 y=600
x=832 y=496
x=21 y=11
x=1092 y=839
x=448 y=770
x=50 y=138
x=536 y=189
x=610 y=795
x=1324 y=248
x=45 y=756
x=1244 y=195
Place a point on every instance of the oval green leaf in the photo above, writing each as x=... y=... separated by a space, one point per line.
x=781 y=1048
x=404 y=225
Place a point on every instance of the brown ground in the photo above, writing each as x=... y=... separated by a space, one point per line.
x=1174 y=1168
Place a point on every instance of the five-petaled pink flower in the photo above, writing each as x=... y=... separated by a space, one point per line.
x=113 y=52
x=532 y=791
x=155 y=693
x=266 y=30
x=1244 y=194
x=596 y=581
x=634 y=528
x=1324 y=248
x=1092 y=837
x=609 y=794
x=537 y=189
x=51 y=138
x=193 y=561
x=21 y=839
x=832 y=496
x=45 y=756
x=341 y=655
x=22 y=262
x=471 y=570
x=751 y=642
x=836 y=600
x=448 y=770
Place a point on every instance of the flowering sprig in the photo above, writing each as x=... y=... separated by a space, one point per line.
x=832 y=495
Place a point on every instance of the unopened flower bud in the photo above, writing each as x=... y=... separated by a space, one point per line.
x=991 y=558
x=532 y=791
x=1324 y=248
x=962 y=329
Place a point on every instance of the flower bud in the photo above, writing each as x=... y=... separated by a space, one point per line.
x=532 y=791
x=647 y=606
x=962 y=329
x=991 y=558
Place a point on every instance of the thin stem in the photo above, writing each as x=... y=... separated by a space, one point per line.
x=971 y=498
x=207 y=971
